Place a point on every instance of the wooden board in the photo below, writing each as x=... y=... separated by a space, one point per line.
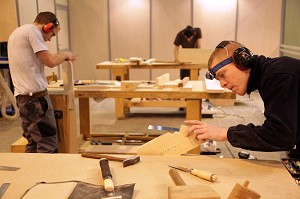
x=194 y=55
x=169 y=144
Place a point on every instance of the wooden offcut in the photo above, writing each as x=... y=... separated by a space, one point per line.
x=176 y=143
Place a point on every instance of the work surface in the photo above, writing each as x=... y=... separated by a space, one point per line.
x=269 y=179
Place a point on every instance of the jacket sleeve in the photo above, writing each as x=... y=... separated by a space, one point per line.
x=279 y=130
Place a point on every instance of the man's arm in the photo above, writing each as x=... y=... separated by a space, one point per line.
x=52 y=60
x=176 y=52
x=199 y=43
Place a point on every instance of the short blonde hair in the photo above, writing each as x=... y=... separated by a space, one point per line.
x=221 y=54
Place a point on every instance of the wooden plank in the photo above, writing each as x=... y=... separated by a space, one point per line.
x=158 y=103
x=194 y=55
x=170 y=144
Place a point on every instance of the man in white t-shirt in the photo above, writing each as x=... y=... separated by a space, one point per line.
x=28 y=55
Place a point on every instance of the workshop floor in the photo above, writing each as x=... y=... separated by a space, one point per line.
x=244 y=111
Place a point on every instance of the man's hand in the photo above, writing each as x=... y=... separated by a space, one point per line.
x=203 y=131
x=69 y=56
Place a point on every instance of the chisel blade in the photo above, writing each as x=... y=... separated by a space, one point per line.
x=163 y=128
x=7 y=168
x=3 y=189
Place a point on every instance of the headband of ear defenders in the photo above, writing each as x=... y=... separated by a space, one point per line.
x=211 y=73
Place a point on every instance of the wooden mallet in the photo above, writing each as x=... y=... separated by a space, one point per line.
x=126 y=161
x=181 y=190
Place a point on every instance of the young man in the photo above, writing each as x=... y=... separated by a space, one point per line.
x=28 y=55
x=187 y=38
x=278 y=82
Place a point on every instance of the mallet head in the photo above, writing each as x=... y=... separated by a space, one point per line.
x=131 y=161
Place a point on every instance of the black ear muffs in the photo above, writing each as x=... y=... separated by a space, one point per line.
x=49 y=26
x=242 y=57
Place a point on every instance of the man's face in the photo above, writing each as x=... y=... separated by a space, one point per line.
x=233 y=78
x=48 y=36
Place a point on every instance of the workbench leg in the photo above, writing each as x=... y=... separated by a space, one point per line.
x=194 y=74
x=119 y=108
x=193 y=109
x=84 y=117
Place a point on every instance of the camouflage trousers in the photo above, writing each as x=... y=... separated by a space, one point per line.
x=38 y=123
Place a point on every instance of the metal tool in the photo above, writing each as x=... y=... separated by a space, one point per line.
x=201 y=174
x=107 y=179
x=163 y=128
x=172 y=129
x=3 y=189
x=7 y=168
x=126 y=161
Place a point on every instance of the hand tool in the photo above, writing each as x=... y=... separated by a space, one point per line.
x=242 y=191
x=201 y=174
x=181 y=190
x=7 y=168
x=163 y=128
x=107 y=179
x=3 y=189
x=126 y=161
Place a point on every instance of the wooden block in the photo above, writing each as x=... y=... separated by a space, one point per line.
x=135 y=100
x=184 y=82
x=19 y=146
x=192 y=191
x=160 y=80
x=128 y=85
x=169 y=144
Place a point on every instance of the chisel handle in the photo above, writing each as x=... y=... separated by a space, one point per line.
x=205 y=175
x=106 y=175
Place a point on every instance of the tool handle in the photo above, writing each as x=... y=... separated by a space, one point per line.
x=176 y=177
x=106 y=175
x=205 y=175
x=99 y=156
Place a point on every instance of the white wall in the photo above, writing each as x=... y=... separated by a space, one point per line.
x=130 y=28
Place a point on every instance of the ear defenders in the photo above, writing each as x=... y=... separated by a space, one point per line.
x=49 y=26
x=241 y=57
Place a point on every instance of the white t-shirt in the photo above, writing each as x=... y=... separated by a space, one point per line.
x=27 y=70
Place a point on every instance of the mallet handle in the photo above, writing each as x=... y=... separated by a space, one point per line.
x=176 y=177
x=99 y=156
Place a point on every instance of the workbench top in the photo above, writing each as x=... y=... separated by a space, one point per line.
x=269 y=178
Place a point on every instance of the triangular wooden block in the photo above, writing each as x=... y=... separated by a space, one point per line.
x=169 y=144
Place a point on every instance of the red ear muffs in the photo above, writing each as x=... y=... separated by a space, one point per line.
x=48 y=27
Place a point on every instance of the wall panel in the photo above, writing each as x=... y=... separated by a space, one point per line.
x=259 y=26
x=8 y=19
x=217 y=20
x=168 y=18
x=130 y=32
x=89 y=37
x=49 y=5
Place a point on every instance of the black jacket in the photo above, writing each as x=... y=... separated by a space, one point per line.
x=278 y=82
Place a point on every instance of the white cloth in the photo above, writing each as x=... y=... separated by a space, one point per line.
x=27 y=70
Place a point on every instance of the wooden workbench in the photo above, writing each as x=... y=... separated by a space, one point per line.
x=120 y=71
x=193 y=99
x=269 y=179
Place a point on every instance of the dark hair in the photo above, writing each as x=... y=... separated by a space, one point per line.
x=189 y=31
x=45 y=17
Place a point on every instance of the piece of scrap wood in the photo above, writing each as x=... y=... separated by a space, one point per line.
x=169 y=144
